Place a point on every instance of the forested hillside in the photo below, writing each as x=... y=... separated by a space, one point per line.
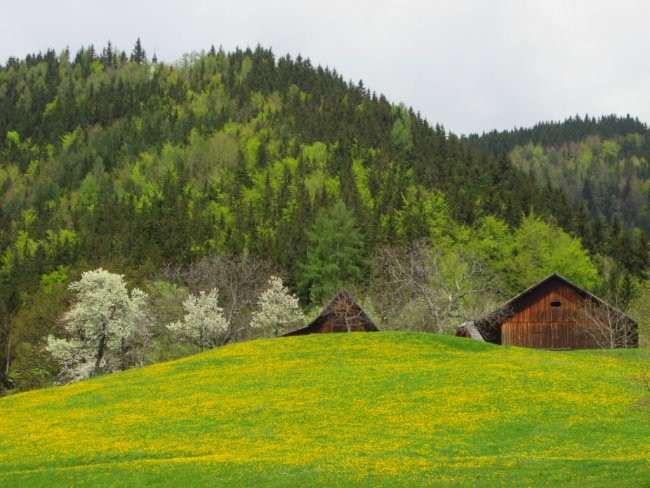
x=221 y=169
x=602 y=165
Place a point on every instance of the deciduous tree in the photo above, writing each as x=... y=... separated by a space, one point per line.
x=447 y=287
x=204 y=324
x=605 y=325
x=277 y=309
x=100 y=326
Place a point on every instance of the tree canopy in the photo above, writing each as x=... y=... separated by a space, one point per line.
x=109 y=160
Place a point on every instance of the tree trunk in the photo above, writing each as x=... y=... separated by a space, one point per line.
x=100 y=353
x=8 y=357
x=123 y=355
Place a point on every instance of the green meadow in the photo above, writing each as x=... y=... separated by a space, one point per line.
x=376 y=409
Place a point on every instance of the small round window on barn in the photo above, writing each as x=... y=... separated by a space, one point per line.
x=556 y=303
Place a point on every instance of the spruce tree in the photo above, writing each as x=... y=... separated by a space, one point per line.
x=335 y=254
x=138 y=55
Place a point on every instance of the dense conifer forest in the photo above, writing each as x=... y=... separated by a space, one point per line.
x=228 y=167
x=602 y=166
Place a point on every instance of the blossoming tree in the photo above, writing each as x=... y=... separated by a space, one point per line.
x=204 y=324
x=100 y=326
x=277 y=309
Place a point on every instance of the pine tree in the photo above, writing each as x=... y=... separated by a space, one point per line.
x=335 y=256
x=138 y=55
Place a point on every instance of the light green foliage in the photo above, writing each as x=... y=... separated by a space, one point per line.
x=424 y=214
x=57 y=277
x=13 y=138
x=493 y=242
x=315 y=155
x=69 y=140
x=100 y=324
x=246 y=68
x=336 y=254
x=610 y=149
x=277 y=309
x=319 y=181
x=541 y=249
x=209 y=159
x=204 y=324
x=257 y=101
x=401 y=132
x=59 y=240
x=529 y=157
x=361 y=174
x=97 y=67
x=25 y=245
x=252 y=150
x=142 y=178
x=277 y=175
x=30 y=216
x=88 y=194
x=236 y=154
x=171 y=159
x=50 y=108
x=225 y=153
x=586 y=156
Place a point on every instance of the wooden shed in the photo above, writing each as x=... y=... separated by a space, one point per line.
x=342 y=314
x=555 y=314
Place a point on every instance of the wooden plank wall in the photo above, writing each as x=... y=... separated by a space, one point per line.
x=337 y=323
x=537 y=324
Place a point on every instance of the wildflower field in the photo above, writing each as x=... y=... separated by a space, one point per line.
x=377 y=409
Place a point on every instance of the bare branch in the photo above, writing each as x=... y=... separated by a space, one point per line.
x=452 y=286
x=604 y=326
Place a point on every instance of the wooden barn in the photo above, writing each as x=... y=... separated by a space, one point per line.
x=555 y=314
x=342 y=314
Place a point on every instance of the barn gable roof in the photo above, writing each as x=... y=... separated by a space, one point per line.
x=495 y=318
x=333 y=312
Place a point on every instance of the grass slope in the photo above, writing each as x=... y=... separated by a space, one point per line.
x=388 y=409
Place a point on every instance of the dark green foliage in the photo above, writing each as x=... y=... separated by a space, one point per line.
x=600 y=166
x=557 y=133
x=138 y=55
x=335 y=254
x=130 y=165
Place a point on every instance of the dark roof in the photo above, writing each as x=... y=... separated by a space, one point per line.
x=332 y=312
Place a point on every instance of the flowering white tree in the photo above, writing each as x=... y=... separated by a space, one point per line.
x=277 y=309
x=204 y=324
x=100 y=326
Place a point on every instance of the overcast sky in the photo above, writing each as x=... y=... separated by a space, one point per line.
x=472 y=66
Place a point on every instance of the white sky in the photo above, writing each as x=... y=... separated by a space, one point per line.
x=471 y=65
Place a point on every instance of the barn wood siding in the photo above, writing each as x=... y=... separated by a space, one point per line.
x=537 y=324
x=335 y=324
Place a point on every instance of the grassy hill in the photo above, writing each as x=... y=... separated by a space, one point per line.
x=388 y=409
